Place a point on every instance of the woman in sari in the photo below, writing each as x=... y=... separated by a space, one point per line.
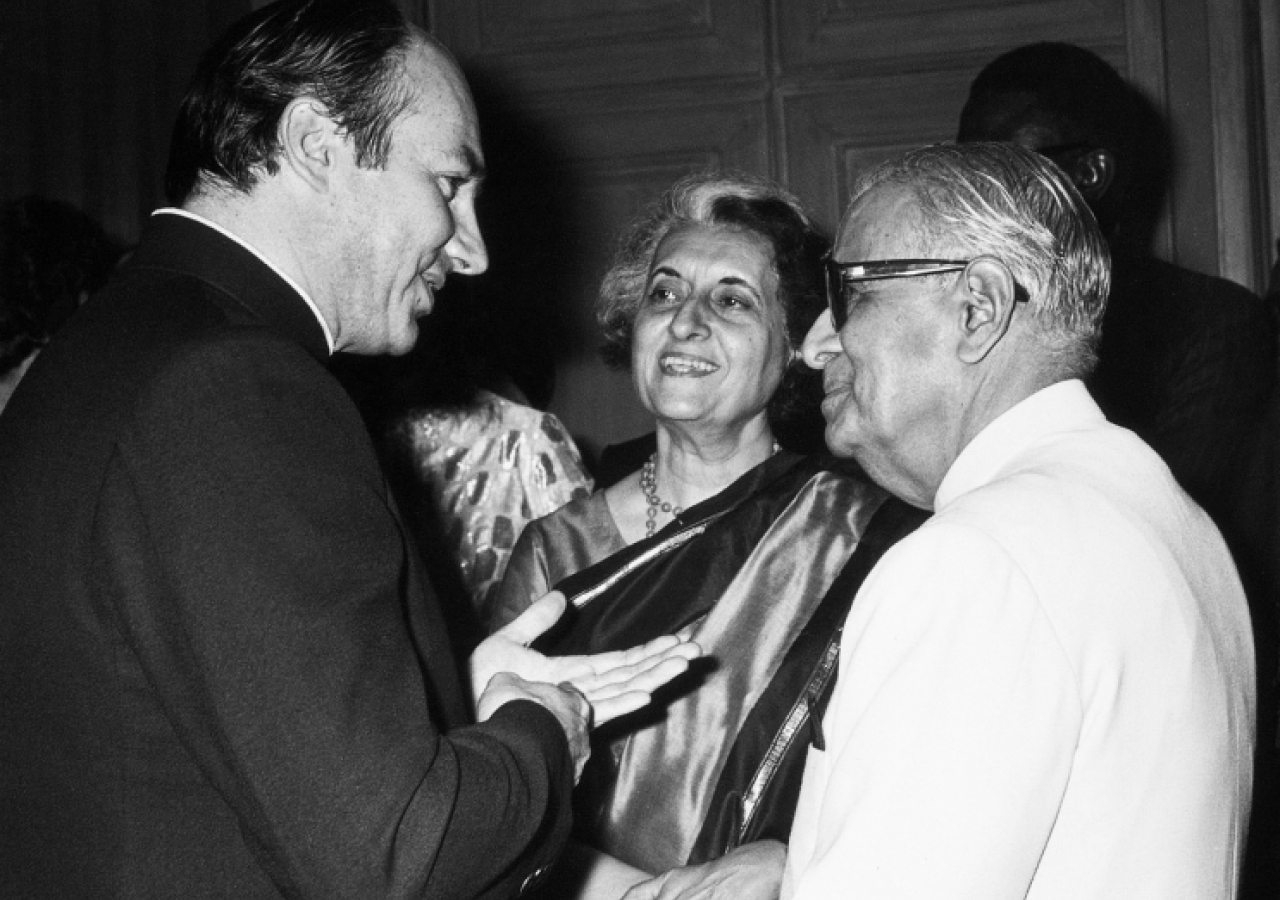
x=723 y=529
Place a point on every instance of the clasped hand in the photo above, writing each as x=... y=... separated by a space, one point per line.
x=609 y=684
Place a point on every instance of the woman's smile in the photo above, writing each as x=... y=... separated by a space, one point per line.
x=682 y=364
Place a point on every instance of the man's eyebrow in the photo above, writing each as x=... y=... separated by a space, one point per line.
x=471 y=160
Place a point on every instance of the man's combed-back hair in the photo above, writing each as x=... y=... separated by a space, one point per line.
x=999 y=200
x=347 y=54
x=728 y=200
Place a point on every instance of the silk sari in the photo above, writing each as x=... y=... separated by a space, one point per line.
x=764 y=574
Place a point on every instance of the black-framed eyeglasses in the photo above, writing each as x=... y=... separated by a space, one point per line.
x=841 y=275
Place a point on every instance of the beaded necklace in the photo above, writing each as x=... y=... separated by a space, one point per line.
x=649 y=487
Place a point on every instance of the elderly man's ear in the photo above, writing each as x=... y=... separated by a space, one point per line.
x=988 y=298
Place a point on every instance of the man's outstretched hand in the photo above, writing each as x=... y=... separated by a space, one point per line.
x=614 y=683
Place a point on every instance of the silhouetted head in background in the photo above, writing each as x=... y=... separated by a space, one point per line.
x=1070 y=105
x=52 y=257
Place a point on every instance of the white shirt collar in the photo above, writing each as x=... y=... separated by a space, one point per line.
x=1059 y=407
x=174 y=211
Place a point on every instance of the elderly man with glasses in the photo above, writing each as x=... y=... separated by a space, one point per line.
x=1048 y=689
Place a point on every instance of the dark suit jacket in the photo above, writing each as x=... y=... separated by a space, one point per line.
x=1188 y=361
x=221 y=671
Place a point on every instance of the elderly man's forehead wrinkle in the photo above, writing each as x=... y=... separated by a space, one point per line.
x=885 y=222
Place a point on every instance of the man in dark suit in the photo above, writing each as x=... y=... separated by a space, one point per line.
x=222 y=673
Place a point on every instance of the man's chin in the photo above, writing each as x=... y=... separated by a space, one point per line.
x=837 y=444
x=403 y=341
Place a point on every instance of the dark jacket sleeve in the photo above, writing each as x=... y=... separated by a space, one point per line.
x=261 y=579
x=1199 y=355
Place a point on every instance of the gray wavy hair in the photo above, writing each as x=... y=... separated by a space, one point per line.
x=1000 y=200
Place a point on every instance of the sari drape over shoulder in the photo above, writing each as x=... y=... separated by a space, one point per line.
x=764 y=573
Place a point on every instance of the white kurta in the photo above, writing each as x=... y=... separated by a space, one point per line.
x=1047 y=691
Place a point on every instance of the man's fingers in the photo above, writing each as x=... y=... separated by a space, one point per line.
x=649 y=676
x=609 y=709
x=609 y=664
x=670 y=663
x=529 y=625
x=658 y=647
x=619 y=665
x=640 y=652
x=617 y=698
x=603 y=663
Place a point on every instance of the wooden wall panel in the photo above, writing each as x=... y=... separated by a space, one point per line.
x=1198 y=64
x=550 y=45
x=852 y=36
x=1268 y=20
x=1238 y=209
x=833 y=133
x=88 y=91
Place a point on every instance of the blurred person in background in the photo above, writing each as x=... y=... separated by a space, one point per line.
x=52 y=257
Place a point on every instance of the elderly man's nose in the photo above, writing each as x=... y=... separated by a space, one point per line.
x=822 y=343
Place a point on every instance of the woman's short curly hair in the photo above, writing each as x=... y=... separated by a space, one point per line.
x=755 y=205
